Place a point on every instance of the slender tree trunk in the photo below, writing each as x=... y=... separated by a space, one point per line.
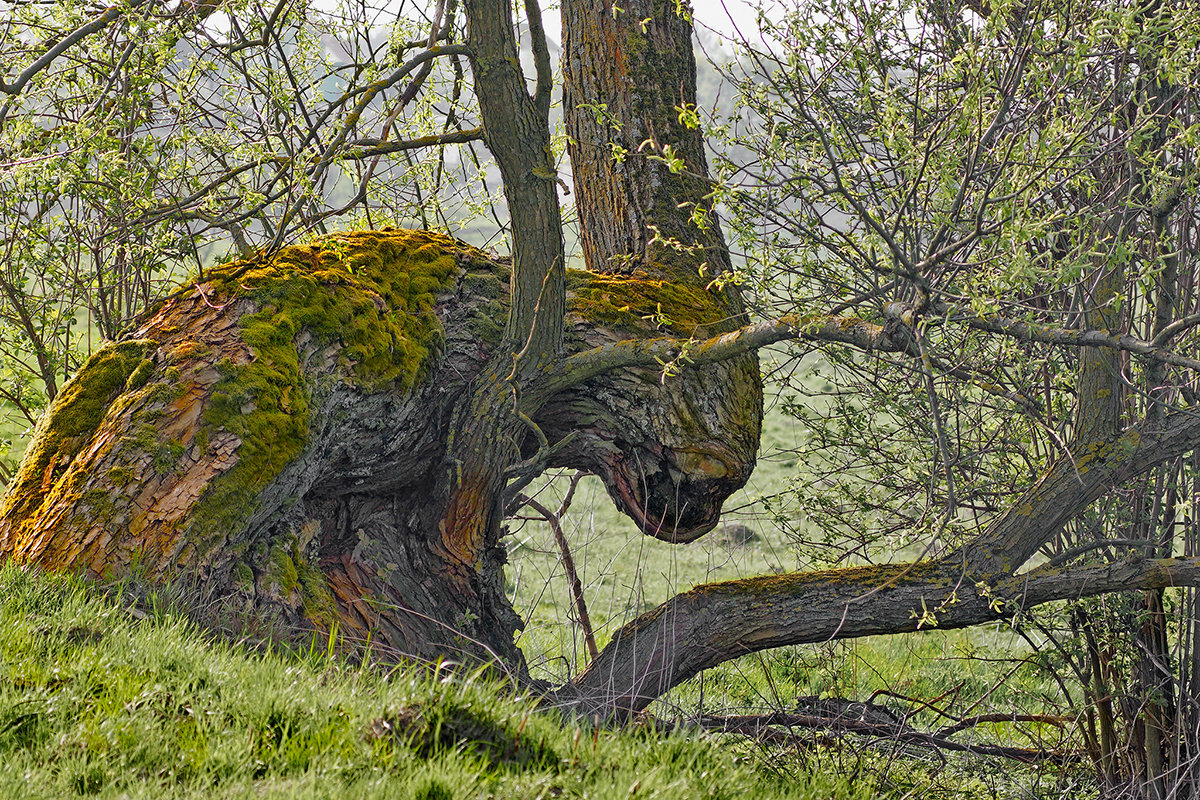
x=628 y=72
x=491 y=423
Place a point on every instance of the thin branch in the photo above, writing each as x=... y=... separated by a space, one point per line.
x=756 y=724
x=370 y=148
x=101 y=22
x=554 y=519
x=541 y=59
x=853 y=331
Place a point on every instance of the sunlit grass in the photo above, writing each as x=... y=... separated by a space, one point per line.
x=96 y=703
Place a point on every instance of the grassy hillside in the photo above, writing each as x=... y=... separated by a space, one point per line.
x=97 y=702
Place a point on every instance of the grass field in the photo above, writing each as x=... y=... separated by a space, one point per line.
x=96 y=703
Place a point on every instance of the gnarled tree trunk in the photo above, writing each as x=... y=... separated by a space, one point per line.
x=326 y=438
x=277 y=436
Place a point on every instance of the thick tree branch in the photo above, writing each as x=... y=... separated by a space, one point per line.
x=1028 y=332
x=717 y=622
x=627 y=353
x=1071 y=485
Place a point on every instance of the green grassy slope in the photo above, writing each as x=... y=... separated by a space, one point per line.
x=96 y=703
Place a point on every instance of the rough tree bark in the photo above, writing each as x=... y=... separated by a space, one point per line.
x=326 y=437
x=277 y=437
x=626 y=73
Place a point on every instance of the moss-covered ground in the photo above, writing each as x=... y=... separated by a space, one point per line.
x=97 y=703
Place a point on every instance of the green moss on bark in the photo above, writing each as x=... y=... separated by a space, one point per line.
x=372 y=293
x=69 y=423
x=640 y=302
x=290 y=571
x=242 y=576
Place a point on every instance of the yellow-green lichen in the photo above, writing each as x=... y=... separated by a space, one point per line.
x=315 y=595
x=859 y=579
x=282 y=569
x=371 y=292
x=70 y=421
x=120 y=476
x=242 y=576
x=165 y=391
x=145 y=438
x=141 y=373
x=639 y=302
x=167 y=455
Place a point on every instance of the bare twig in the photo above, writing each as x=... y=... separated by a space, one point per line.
x=554 y=518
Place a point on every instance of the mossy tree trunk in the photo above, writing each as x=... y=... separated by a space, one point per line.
x=274 y=439
x=325 y=440
x=328 y=437
x=280 y=441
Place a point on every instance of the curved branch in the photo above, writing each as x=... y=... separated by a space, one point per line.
x=717 y=622
x=853 y=331
x=1175 y=328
